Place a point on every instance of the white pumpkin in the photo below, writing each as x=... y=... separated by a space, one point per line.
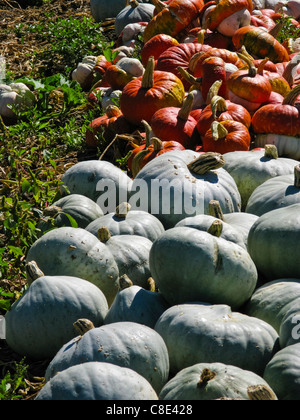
x=14 y=94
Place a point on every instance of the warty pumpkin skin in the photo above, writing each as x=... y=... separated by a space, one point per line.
x=143 y=96
x=71 y=251
x=204 y=333
x=282 y=373
x=211 y=381
x=175 y=17
x=41 y=321
x=273 y=244
x=126 y=344
x=97 y=381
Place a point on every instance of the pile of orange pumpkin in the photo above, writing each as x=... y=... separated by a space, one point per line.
x=212 y=77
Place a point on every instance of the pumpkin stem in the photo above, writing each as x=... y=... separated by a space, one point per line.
x=124 y=282
x=252 y=71
x=122 y=210
x=214 y=209
x=151 y=284
x=159 y=5
x=206 y=376
x=261 y=393
x=196 y=82
x=297 y=177
x=206 y=162
x=135 y=167
x=148 y=131
x=103 y=234
x=157 y=144
x=218 y=130
x=134 y=3
x=218 y=104
x=261 y=66
x=291 y=97
x=83 y=325
x=244 y=51
x=216 y=228
x=271 y=151
x=194 y=60
x=186 y=108
x=33 y=272
x=113 y=111
x=213 y=91
x=52 y=211
x=148 y=76
x=201 y=36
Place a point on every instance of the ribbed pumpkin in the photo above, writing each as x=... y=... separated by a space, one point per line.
x=133 y=13
x=251 y=169
x=204 y=333
x=278 y=192
x=156 y=46
x=213 y=381
x=126 y=344
x=272 y=243
x=125 y=221
x=174 y=123
x=226 y=55
x=143 y=96
x=249 y=85
x=175 y=17
x=280 y=125
x=210 y=268
x=176 y=189
x=97 y=381
x=180 y=56
x=219 y=110
x=226 y=136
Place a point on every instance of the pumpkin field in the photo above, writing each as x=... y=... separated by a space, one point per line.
x=150 y=200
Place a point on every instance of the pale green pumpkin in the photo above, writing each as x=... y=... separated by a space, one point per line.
x=211 y=381
x=135 y=12
x=283 y=371
x=97 y=381
x=75 y=252
x=41 y=321
x=278 y=192
x=191 y=265
x=252 y=168
x=126 y=344
x=273 y=243
x=203 y=333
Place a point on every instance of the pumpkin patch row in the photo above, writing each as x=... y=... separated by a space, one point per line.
x=181 y=279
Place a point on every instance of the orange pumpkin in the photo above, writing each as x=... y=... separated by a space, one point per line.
x=156 y=46
x=143 y=96
x=226 y=136
x=224 y=9
x=174 y=17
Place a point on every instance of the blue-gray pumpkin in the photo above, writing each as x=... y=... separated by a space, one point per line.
x=41 y=321
x=203 y=333
x=212 y=381
x=126 y=344
x=191 y=265
x=97 y=381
